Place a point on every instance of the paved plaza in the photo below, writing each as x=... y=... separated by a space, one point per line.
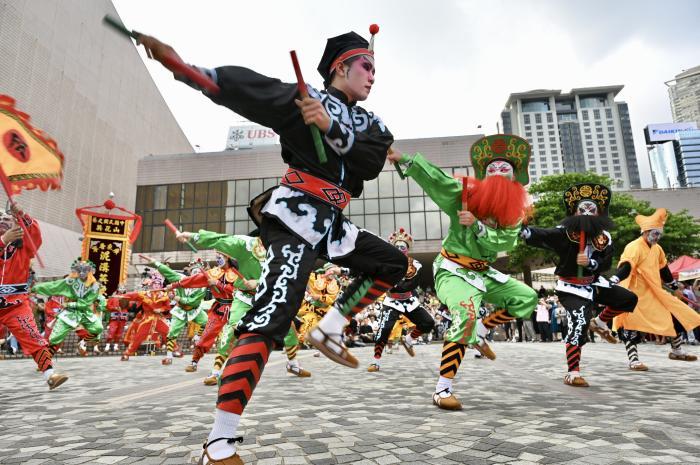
x=517 y=411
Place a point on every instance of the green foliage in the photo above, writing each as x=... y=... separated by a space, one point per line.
x=681 y=236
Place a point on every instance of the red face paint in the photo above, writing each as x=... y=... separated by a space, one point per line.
x=360 y=78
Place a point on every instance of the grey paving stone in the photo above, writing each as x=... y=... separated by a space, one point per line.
x=515 y=409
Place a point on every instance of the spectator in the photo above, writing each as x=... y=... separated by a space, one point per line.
x=543 y=321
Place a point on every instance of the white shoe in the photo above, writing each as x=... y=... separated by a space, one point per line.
x=115 y=347
x=96 y=349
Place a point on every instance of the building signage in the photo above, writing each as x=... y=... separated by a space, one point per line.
x=664 y=132
x=250 y=136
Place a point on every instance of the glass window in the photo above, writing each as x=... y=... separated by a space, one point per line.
x=189 y=195
x=430 y=205
x=593 y=101
x=402 y=220
x=230 y=192
x=200 y=194
x=372 y=223
x=385 y=184
x=417 y=204
x=241 y=213
x=140 y=195
x=256 y=188
x=357 y=207
x=526 y=119
x=535 y=105
x=241 y=227
x=371 y=206
x=200 y=215
x=370 y=189
x=550 y=118
x=414 y=188
x=445 y=220
x=186 y=215
x=418 y=225
x=214 y=199
x=432 y=221
x=242 y=192
x=269 y=182
x=401 y=204
x=174 y=193
x=230 y=214
x=229 y=227
x=400 y=185
x=214 y=215
x=386 y=205
x=158 y=238
x=160 y=194
x=386 y=225
x=538 y=119
x=358 y=220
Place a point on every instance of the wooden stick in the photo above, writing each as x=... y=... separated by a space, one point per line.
x=175 y=231
x=173 y=63
x=465 y=193
x=315 y=132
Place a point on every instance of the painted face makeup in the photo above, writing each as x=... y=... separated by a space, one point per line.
x=403 y=247
x=360 y=78
x=587 y=208
x=653 y=236
x=499 y=168
x=220 y=260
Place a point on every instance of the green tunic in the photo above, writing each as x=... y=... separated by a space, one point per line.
x=78 y=310
x=190 y=300
x=460 y=288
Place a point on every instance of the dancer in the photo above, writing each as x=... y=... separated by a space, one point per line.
x=587 y=213
x=402 y=300
x=154 y=304
x=188 y=302
x=15 y=312
x=81 y=291
x=495 y=206
x=118 y=318
x=643 y=269
x=302 y=219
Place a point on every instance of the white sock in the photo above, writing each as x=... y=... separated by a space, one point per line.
x=575 y=374
x=376 y=361
x=333 y=322
x=169 y=354
x=443 y=383
x=225 y=426
x=47 y=373
x=409 y=340
x=678 y=351
x=293 y=363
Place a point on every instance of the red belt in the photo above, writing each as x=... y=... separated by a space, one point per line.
x=323 y=190
x=400 y=295
x=578 y=281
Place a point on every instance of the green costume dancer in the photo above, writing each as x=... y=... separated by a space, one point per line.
x=81 y=290
x=188 y=307
x=485 y=215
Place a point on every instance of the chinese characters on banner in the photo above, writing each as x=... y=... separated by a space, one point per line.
x=106 y=244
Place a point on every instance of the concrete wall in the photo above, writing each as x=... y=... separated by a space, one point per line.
x=88 y=88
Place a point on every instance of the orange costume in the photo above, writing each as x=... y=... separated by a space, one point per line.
x=154 y=304
x=656 y=308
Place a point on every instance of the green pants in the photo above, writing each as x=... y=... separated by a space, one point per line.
x=177 y=324
x=227 y=336
x=291 y=339
x=73 y=318
x=463 y=300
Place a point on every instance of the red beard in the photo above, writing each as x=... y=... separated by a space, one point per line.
x=498 y=199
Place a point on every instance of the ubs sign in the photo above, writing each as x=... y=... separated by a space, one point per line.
x=247 y=137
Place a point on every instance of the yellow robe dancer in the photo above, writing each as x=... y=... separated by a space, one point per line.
x=642 y=269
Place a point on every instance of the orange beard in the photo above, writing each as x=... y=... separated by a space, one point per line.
x=498 y=199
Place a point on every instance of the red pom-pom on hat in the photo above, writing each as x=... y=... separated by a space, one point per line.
x=373 y=29
x=109 y=204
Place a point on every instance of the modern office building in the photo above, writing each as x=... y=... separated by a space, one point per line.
x=583 y=130
x=212 y=190
x=687 y=148
x=88 y=88
x=684 y=94
x=666 y=158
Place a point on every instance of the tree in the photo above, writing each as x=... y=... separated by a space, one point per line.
x=681 y=236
